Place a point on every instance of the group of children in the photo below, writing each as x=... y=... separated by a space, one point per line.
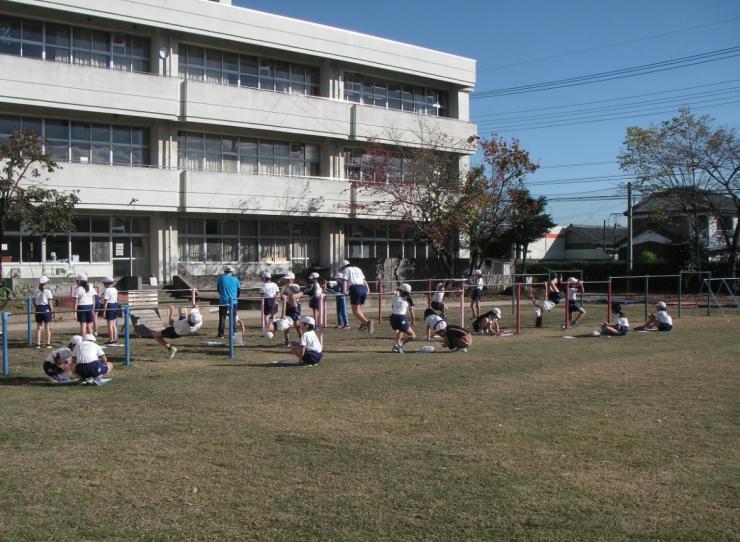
x=81 y=359
x=88 y=307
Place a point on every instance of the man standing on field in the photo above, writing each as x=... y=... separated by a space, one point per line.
x=228 y=295
x=357 y=288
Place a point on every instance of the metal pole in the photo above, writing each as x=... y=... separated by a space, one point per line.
x=680 y=287
x=126 y=336
x=192 y=296
x=518 y=294
x=462 y=304
x=6 y=363
x=230 y=314
x=567 y=305
x=29 y=320
x=647 y=285
x=380 y=301
x=709 y=299
x=429 y=293
x=513 y=294
x=263 y=319
x=608 y=300
x=630 y=248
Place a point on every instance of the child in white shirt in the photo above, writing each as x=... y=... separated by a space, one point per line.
x=44 y=309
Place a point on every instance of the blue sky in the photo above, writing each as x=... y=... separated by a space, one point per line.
x=525 y=42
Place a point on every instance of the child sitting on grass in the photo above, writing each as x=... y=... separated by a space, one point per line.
x=621 y=325
x=661 y=320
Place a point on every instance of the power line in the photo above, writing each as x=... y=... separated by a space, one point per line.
x=607 y=100
x=643 y=69
x=609 y=46
x=579 y=164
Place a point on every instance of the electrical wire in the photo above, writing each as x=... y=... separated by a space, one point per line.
x=622 y=73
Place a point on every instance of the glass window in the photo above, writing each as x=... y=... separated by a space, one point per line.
x=31 y=249
x=267 y=74
x=213 y=66
x=33 y=124
x=282 y=76
x=100 y=225
x=100 y=250
x=248 y=250
x=59 y=246
x=249 y=75
x=80 y=249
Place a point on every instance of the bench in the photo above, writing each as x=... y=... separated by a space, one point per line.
x=144 y=310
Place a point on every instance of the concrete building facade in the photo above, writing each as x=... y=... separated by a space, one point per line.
x=199 y=133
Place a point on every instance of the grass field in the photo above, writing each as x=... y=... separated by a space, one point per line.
x=524 y=438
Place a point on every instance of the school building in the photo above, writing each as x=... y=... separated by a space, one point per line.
x=200 y=133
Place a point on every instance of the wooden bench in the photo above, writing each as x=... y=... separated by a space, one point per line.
x=144 y=310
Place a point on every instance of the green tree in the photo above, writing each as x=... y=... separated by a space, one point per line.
x=528 y=222
x=695 y=164
x=23 y=197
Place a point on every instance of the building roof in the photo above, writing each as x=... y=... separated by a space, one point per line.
x=595 y=234
x=670 y=201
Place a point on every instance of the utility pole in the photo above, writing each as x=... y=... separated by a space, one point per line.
x=629 y=228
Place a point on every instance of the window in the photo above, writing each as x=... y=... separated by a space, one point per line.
x=366 y=241
x=245 y=155
x=224 y=67
x=62 y=43
x=393 y=95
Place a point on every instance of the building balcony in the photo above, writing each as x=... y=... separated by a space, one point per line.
x=70 y=87
x=120 y=188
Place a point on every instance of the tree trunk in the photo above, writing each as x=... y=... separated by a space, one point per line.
x=524 y=257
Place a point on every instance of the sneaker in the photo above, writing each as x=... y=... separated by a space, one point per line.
x=48 y=347
x=286 y=344
x=38 y=347
x=371 y=327
x=401 y=350
x=574 y=324
x=220 y=336
x=61 y=378
x=173 y=351
x=563 y=326
x=99 y=381
x=396 y=348
x=462 y=350
x=362 y=327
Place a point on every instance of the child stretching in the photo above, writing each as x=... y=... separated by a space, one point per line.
x=111 y=309
x=405 y=332
x=309 y=349
x=336 y=287
x=621 y=325
x=314 y=291
x=292 y=309
x=540 y=309
x=487 y=323
x=661 y=320
x=476 y=281
x=42 y=302
x=437 y=300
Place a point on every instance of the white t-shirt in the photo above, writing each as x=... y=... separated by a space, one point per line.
x=664 y=318
x=85 y=298
x=111 y=295
x=572 y=292
x=354 y=276
x=438 y=296
x=478 y=283
x=399 y=305
x=269 y=289
x=311 y=341
x=42 y=297
x=286 y=291
x=183 y=327
x=622 y=321
x=87 y=352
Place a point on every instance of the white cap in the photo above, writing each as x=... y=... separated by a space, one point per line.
x=81 y=276
x=64 y=354
x=548 y=305
x=435 y=322
x=661 y=305
x=440 y=285
x=108 y=280
x=405 y=288
x=228 y=268
x=344 y=264
x=572 y=280
x=295 y=288
x=89 y=337
x=43 y=279
x=497 y=312
x=313 y=276
x=289 y=275
x=283 y=324
x=195 y=316
x=266 y=275
x=339 y=275
x=268 y=334
x=75 y=339
x=308 y=320
x=477 y=272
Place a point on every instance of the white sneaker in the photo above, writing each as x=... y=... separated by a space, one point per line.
x=371 y=327
x=173 y=351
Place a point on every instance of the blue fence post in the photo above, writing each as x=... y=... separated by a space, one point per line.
x=647 y=299
x=680 y=288
x=230 y=314
x=126 y=336
x=29 y=320
x=6 y=363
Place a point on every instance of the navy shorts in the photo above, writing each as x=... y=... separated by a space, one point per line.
x=357 y=294
x=476 y=294
x=98 y=306
x=437 y=305
x=112 y=312
x=170 y=333
x=399 y=322
x=43 y=314
x=555 y=297
x=91 y=370
x=314 y=303
x=294 y=313
x=311 y=357
x=664 y=327
x=85 y=314
x=623 y=330
x=573 y=306
x=269 y=303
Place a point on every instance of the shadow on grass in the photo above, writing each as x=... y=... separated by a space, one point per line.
x=27 y=381
x=268 y=365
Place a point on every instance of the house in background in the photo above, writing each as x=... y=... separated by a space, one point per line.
x=661 y=221
x=578 y=242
